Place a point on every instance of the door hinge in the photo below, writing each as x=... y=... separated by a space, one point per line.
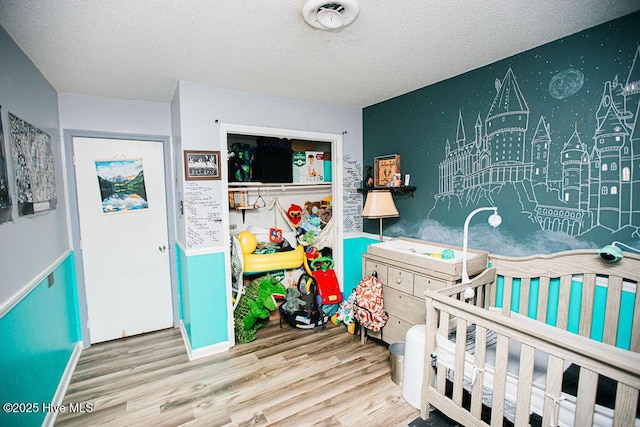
x=73 y=159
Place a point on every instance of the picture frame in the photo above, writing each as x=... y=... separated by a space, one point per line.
x=201 y=165
x=384 y=169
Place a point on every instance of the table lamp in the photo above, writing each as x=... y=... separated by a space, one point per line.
x=380 y=205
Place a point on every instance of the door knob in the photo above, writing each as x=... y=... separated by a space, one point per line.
x=162 y=248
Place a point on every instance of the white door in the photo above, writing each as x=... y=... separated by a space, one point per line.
x=124 y=237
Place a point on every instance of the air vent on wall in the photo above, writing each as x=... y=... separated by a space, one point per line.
x=330 y=15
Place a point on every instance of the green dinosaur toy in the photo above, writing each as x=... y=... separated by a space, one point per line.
x=254 y=306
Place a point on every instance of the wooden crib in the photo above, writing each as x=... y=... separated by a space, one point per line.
x=527 y=331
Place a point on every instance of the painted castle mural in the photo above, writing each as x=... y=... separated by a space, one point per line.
x=572 y=185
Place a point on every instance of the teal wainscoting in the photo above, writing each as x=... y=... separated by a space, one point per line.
x=38 y=337
x=203 y=298
x=354 y=247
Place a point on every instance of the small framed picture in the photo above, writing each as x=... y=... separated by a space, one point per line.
x=384 y=169
x=201 y=165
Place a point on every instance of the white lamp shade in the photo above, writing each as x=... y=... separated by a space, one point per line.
x=380 y=204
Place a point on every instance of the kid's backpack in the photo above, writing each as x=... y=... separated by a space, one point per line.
x=309 y=315
x=369 y=305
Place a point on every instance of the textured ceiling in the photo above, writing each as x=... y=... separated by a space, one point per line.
x=140 y=49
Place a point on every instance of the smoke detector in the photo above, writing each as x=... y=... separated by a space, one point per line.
x=330 y=15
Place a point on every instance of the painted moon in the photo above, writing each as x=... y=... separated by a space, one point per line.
x=566 y=83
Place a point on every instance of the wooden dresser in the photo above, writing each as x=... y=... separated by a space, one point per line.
x=406 y=270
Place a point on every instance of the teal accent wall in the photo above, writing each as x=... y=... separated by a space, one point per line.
x=203 y=298
x=353 y=250
x=38 y=337
x=550 y=136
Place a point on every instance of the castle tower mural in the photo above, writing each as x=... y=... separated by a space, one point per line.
x=540 y=145
x=611 y=139
x=635 y=168
x=632 y=85
x=575 y=172
x=588 y=183
x=506 y=127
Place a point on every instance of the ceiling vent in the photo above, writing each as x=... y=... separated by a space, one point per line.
x=332 y=16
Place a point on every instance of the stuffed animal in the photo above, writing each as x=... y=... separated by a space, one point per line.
x=294 y=213
x=259 y=299
x=312 y=208
x=293 y=301
x=311 y=224
x=345 y=313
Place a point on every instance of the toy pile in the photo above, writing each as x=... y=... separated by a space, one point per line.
x=310 y=220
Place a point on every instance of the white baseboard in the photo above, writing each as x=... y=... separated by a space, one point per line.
x=204 y=351
x=65 y=380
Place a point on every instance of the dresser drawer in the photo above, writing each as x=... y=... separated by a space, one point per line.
x=381 y=269
x=401 y=280
x=404 y=306
x=395 y=330
x=422 y=283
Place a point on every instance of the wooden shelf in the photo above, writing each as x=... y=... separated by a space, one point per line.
x=404 y=189
x=236 y=184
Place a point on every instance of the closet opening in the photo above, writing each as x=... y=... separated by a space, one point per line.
x=284 y=209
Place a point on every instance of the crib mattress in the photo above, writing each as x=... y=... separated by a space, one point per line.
x=445 y=352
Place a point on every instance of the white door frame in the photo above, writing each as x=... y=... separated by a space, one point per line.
x=336 y=141
x=74 y=219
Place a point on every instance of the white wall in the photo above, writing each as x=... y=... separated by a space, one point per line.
x=28 y=244
x=203 y=108
x=98 y=116
x=114 y=115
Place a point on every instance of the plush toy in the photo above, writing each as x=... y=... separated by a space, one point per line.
x=312 y=208
x=293 y=301
x=325 y=216
x=294 y=213
x=311 y=224
x=259 y=299
x=345 y=313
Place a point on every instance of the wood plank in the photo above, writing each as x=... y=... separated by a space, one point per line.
x=635 y=338
x=543 y=298
x=614 y=293
x=586 y=307
x=283 y=377
x=587 y=388
x=625 y=406
x=562 y=317
x=500 y=380
x=458 y=366
x=525 y=379
x=507 y=290
x=480 y=357
x=553 y=391
x=525 y=289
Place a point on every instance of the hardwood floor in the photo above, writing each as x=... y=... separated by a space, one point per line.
x=286 y=377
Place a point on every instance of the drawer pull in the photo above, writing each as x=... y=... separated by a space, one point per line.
x=399 y=280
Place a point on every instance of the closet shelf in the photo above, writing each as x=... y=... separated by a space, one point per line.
x=280 y=185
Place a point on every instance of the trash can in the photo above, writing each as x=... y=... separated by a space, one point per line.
x=396 y=357
x=414 y=365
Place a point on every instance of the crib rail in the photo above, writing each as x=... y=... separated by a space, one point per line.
x=563 y=267
x=593 y=358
